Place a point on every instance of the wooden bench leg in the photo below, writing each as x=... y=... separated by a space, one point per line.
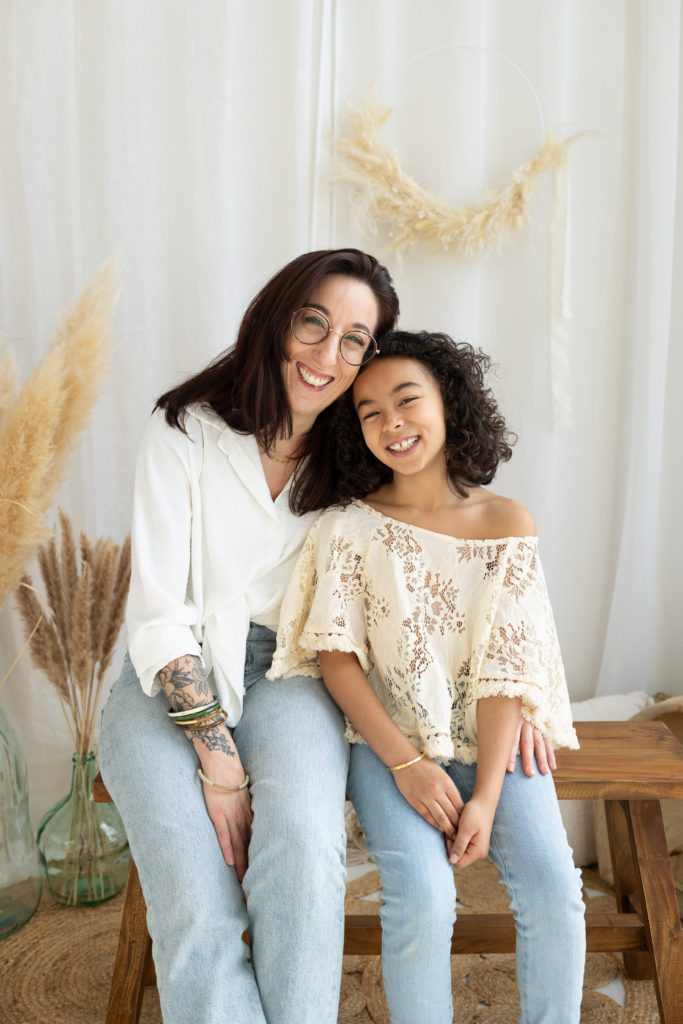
x=133 y=964
x=659 y=905
x=638 y=965
x=642 y=875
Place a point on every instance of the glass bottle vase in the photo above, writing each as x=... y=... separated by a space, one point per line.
x=82 y=844
x=20 y=879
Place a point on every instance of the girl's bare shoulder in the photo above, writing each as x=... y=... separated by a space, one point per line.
x=505 y=517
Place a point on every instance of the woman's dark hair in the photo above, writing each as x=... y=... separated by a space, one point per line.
x=476 y=436
x=244 y=385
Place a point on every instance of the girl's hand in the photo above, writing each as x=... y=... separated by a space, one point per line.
x=230 y=813
x=433 y=794
x=532 y=745
x=474 y=833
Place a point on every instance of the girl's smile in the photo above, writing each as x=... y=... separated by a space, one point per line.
x=403 y=447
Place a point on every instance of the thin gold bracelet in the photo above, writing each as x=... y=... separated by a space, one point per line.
x=407 y=764
x=223 y=789
x=197 y=724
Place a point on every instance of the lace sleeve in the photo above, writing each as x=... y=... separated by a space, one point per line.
x=522 y=656
x=322 y=608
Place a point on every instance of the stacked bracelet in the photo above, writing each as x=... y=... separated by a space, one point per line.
x=201 y=709
x=205 y=716
x=407 y=764
x=196 y=724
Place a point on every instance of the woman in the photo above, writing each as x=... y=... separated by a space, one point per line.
x=204 y=757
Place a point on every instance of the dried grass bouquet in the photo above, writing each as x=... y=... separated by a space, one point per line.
x=73 y=641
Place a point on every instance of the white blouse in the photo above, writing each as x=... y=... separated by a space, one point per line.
x=436 y=623
x=212 y=551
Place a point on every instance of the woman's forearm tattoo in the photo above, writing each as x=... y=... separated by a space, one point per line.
x=184 y=683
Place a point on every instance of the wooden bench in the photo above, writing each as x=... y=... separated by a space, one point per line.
x=629 y=765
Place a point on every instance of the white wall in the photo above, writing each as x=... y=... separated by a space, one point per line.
x=192 y=138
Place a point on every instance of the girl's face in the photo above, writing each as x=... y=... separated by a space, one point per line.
x=401 y=414
x=314 y=375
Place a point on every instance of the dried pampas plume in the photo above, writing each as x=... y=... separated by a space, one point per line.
x=384 y=193
x=41 y=424
x=8 y=382
x=73 y=640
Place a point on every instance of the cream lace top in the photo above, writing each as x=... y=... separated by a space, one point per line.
x=436 y=623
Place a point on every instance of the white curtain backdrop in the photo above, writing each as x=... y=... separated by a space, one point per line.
x=193 y=139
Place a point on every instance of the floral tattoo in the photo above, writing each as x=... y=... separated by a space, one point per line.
x=183 y=682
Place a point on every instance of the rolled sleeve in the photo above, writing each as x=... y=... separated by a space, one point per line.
x=162 y=617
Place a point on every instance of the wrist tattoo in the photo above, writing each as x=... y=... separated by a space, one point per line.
x=217 y=738
x=183 y=681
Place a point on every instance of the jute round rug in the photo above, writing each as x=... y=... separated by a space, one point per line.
x=57 y=969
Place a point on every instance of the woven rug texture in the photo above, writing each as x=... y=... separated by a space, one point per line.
x=57 y=969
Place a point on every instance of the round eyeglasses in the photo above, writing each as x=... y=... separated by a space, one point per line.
x=310 y=327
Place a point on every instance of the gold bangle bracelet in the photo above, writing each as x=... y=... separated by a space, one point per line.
x=407 y=764
x=195 y=710
x=223 y=789
x=194 y=725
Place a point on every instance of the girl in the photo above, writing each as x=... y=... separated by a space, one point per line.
x=425 y=609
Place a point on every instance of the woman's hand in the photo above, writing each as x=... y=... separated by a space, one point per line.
x=433 y=794
x=533 y=746
x=185 y=685
x=230 y=813
x=474 y=833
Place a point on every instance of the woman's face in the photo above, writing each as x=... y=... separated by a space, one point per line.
x=314 y=375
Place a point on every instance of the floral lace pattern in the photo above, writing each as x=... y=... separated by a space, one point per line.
x=436 y=622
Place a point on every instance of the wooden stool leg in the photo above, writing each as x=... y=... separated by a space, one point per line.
x=659 y=905
x=133 y=961
x=638 y=965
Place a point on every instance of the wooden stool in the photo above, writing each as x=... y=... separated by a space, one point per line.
x=629 y=765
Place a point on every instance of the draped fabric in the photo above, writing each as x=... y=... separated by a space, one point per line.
x=193 y=139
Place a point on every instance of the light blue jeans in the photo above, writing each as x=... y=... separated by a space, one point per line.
x=528 y=846
x=290 y=740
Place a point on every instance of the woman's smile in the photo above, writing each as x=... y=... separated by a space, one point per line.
x=311 y=378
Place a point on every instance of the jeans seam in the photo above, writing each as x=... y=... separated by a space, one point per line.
x=519 y=938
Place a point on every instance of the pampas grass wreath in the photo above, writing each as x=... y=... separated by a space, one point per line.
x=58 y=967
x=384 y=193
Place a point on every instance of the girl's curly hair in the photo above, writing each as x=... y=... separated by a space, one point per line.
x=477 y=439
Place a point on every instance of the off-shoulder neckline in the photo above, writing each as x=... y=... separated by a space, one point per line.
x=529 y=539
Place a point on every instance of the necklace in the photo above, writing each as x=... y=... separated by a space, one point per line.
x=289 y=458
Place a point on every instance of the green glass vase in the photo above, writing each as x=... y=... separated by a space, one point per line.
x=82 y=845
x=20 y=880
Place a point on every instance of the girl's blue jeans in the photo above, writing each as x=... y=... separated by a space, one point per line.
x=290 y=740
x=528 y=846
